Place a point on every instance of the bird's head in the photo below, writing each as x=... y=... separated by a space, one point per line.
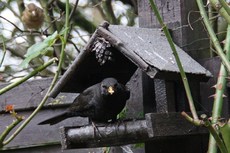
x=109 y=86
x=34 y=10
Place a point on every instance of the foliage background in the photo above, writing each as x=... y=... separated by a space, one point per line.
x=84 y=20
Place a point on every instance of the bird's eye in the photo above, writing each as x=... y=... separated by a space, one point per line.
x=115 y=85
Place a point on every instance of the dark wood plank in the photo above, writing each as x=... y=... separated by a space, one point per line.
x=41 y=138
x=171 y=95
x=134 y=104
x=34 y=134
x=179 y=145
x=150 y=103
x=29 y=94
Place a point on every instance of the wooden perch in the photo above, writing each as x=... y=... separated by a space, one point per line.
x=154 y=126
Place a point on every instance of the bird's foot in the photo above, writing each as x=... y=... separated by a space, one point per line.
x=96 y=128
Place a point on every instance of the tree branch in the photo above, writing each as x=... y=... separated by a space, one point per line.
x=12 y=85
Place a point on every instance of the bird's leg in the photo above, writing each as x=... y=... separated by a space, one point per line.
x=117 y=121
x=95 y=128
x=43 y=32
x=114 y=119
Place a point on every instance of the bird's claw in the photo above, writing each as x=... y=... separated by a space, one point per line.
x=95 y=128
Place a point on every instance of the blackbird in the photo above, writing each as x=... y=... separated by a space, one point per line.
x=33 y=16
x=100 y=102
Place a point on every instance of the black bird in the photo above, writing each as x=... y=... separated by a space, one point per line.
x=100 y=102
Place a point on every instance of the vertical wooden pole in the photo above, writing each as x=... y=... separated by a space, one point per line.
x=149 y=102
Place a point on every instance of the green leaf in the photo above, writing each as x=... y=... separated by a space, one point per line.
x=139 y=145
x=123 y=114
x=38 y=49
x=225 y=132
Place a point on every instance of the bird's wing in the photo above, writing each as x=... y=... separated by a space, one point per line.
x=84 y=101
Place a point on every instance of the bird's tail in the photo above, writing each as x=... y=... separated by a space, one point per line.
x=54 y=120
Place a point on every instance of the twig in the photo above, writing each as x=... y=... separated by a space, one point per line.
x=214 y=133
x=188 y=19
x=12 y=85
x=12 y=10
x=99 y=8
x=52 y=23
x=222 y=11
x=75 y=46
x=225 y=5
x=12 y=23
x=109 y=11
x=73 y=10
x=80 y=36
x=213 y=25
x=8 y=129
x=4 y=51
x=183 y=75
x=22 y=31
x=213 y=35
x=190 y=119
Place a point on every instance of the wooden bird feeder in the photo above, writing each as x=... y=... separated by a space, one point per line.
x=139 y=57
x=118 y=51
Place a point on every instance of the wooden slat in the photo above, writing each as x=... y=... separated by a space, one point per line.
x=34 y=134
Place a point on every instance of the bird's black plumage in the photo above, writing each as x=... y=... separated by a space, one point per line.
x=100 y=102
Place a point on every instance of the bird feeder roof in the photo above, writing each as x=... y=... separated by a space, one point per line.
x=130 y=48
x=152 y=47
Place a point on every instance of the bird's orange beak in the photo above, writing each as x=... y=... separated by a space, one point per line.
x=110 y=90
